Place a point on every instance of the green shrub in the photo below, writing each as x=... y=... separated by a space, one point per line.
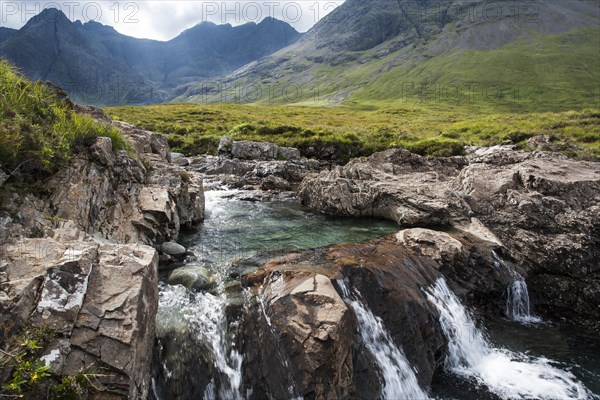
x=438 y=147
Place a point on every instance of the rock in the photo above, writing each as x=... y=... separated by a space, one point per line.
x=173 y=249
x=273 y=183
x=235 y=173
x=182 y=161
x=395 y=185
x=258 y=151
x=3 y=176
x=146 y=141
x=193 y=277
x=288 y=153
x=439 y=246
x=75 y=259
x=100 y=299
x=102 y=151
x=308 y=323
x=540 y=208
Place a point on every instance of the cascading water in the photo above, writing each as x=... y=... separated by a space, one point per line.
x=517 y=295
x=399 y=378
x=507 y=374
x=205 y=321
x=204 y=315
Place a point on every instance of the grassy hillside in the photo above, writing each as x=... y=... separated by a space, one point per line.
x=547 y=72
x=196 y=129
x=39 y=129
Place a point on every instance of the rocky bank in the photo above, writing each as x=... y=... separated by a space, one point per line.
x=540 y=210
x=78 y=257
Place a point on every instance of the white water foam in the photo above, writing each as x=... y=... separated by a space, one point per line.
x=517 y=302
x=204 y=314
x=400 y=382
x=507 y=374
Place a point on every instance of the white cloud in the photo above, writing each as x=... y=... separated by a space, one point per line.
x=163 y=20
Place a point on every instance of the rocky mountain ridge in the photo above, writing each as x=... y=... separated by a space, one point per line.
x=429 y=52
x=97 y=65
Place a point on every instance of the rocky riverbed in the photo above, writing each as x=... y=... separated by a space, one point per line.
x=267 y=298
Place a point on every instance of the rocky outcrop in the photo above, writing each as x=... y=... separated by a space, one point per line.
x=258 y=151
x=98 y=299
x=539 y=209
x=78 y=257
x=301 y=314
x=151 y=198
x=254 y=166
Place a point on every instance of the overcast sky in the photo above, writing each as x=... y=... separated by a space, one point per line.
x=163 y=20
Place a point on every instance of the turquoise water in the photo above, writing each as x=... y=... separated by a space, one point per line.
x=234 y=228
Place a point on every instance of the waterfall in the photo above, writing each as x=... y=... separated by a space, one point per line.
x=204 y=315
x=399 y=378
x=517 y=302
x=517 y=295
x=507 y=374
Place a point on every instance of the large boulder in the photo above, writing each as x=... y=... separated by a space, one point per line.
x=99 y=299
x=258 y=151
x=301 y=318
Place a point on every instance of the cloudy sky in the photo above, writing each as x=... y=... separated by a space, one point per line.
x=163 y=20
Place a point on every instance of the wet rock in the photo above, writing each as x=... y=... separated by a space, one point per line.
x=439 y=246
x=273 y=183
x=193 y=277
x=173 y=249
x=316 y=332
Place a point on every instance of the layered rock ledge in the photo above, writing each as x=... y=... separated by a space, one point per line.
x=78 y=258
x=542 y=210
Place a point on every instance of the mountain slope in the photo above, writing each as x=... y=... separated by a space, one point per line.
x=486 y=54
x=96 y=64
x=5 y=33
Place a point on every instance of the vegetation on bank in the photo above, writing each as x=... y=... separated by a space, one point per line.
x=39 y=128
x=353 y=131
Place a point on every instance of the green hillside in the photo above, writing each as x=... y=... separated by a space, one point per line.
x=550 y=72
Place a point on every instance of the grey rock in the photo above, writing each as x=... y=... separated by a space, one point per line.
x=542 y=208
x=173 y=249
x=193 y=277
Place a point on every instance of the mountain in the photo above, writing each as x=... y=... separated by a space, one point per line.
x=98 y=65
x=5 y=33
x=482 y=54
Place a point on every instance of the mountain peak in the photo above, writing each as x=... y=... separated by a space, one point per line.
x=48 y=16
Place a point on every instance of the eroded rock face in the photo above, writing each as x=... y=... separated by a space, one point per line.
x=258 y=151
x=302 y=318
x=99 y=299
x=151 y=205
x=541 y=208
x=75 y=259
x=274 y=175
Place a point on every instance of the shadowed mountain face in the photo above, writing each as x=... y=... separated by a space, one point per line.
x=510 y=55
x=5 y=33
x=98 y=65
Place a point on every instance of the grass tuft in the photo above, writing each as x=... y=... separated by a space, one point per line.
x=39 y=131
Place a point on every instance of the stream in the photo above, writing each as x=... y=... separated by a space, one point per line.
x=517 y=357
